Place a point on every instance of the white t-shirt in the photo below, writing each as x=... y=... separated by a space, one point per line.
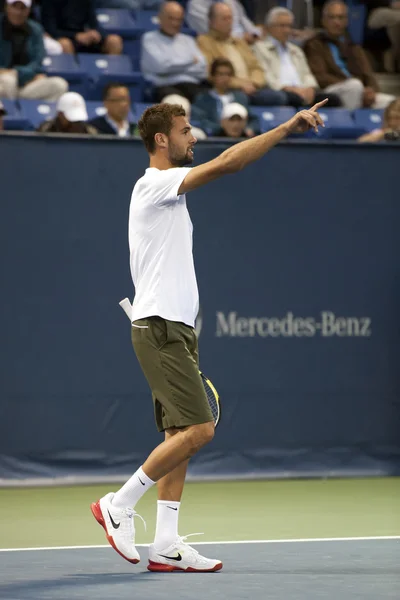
x=161 y=248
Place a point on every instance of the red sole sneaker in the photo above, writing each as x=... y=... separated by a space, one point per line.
x=96 y=511
x=160 y=568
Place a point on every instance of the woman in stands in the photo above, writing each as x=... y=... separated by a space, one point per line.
x=390 y=127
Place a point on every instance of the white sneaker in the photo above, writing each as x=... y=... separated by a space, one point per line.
x=118 y=525
x=181 y=557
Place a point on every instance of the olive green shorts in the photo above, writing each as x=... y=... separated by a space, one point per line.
x=168 y=354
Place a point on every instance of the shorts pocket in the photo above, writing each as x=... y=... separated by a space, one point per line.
x=159 y=330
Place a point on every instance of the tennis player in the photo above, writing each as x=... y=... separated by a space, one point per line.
x=163 y=316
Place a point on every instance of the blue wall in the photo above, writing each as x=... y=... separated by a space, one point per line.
x=298 y=268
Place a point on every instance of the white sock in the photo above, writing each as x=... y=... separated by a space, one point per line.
x=132 y=490
x=167 y=524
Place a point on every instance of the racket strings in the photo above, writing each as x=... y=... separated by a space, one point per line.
x=212 y=400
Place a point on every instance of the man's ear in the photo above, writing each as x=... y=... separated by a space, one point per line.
x=161 y=140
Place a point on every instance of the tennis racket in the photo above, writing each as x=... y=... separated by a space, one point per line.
x=211 y=392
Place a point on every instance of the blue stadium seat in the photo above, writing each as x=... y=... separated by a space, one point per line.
x=65 y=65
x=271 y=116
x=37 y=111
x=13 y=121
x=103 y=68
x=339 y=124
x=97 y=109
x=119 y=21
x=357 y=17
x=368 y=118
x=139 y=108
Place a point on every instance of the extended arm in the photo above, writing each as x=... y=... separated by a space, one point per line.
x=240 y=155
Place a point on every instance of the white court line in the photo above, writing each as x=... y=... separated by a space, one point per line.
x=285 y=541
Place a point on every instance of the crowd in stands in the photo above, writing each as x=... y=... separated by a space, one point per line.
x=206 y=55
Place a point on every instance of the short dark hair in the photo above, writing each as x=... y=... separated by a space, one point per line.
x=221 y=62
x=112 y=86
x=158 y=118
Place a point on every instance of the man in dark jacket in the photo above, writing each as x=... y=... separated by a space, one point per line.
x=340 y=66
x=115 y=121
x=74 y=24
x=21 y=56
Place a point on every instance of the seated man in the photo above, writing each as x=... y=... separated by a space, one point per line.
x=390 y=129
x=171 y=60
x=21 y=56
x=285 y=64
x=208 y=106
x=249 y=76
x=339 y=65
x=117 y=101
x=198 y=12
x=234 y=119
x=74 y=24
x=71 y=117
x=3 y=113
x=386 y=13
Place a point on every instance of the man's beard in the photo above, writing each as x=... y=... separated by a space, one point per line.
x=177 y=159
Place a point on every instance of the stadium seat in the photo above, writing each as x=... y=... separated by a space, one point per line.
x=65 y=65
x=339 y=124
x=368 y=118
x=103 y=68
x=97 y=109
x=139 y=108
x=13 y=121
x=119 y=21
x=357 y=17
x=37 y=111
x=271 y=116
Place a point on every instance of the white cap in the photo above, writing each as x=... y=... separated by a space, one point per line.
x=2 y=109
x=28 y=3
x=178 y=99
x=234 y=109
x=73 y=107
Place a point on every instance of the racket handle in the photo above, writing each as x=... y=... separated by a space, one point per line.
x=126 y=307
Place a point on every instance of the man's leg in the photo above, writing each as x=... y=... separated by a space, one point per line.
x=389 y=18
x=349 y=91
x=170 y=488
x=9 y=85
x=47 y=88
x=268 y=97
x=383 y=100
x=112 y=44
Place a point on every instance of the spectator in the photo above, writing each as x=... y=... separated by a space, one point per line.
x=117 y=102
x=71 y=117
x=207 y=108
x=74 y=24
x=285 y=64
x=198 y=12
x=171 y=60
x=339 y=65
x=386 y=13
x=198 y=133
x=249 y=76
x=390 y=129
x=234 y=119
x=21 y=56
x=3 y=113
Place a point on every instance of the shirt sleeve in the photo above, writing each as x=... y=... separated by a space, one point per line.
x=166 y=186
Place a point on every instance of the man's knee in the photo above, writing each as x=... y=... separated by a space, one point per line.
x=58 y=86
x=8 y=86
x=113 y=44
x=67 y=45
x=354 y=85
x=198 y=436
